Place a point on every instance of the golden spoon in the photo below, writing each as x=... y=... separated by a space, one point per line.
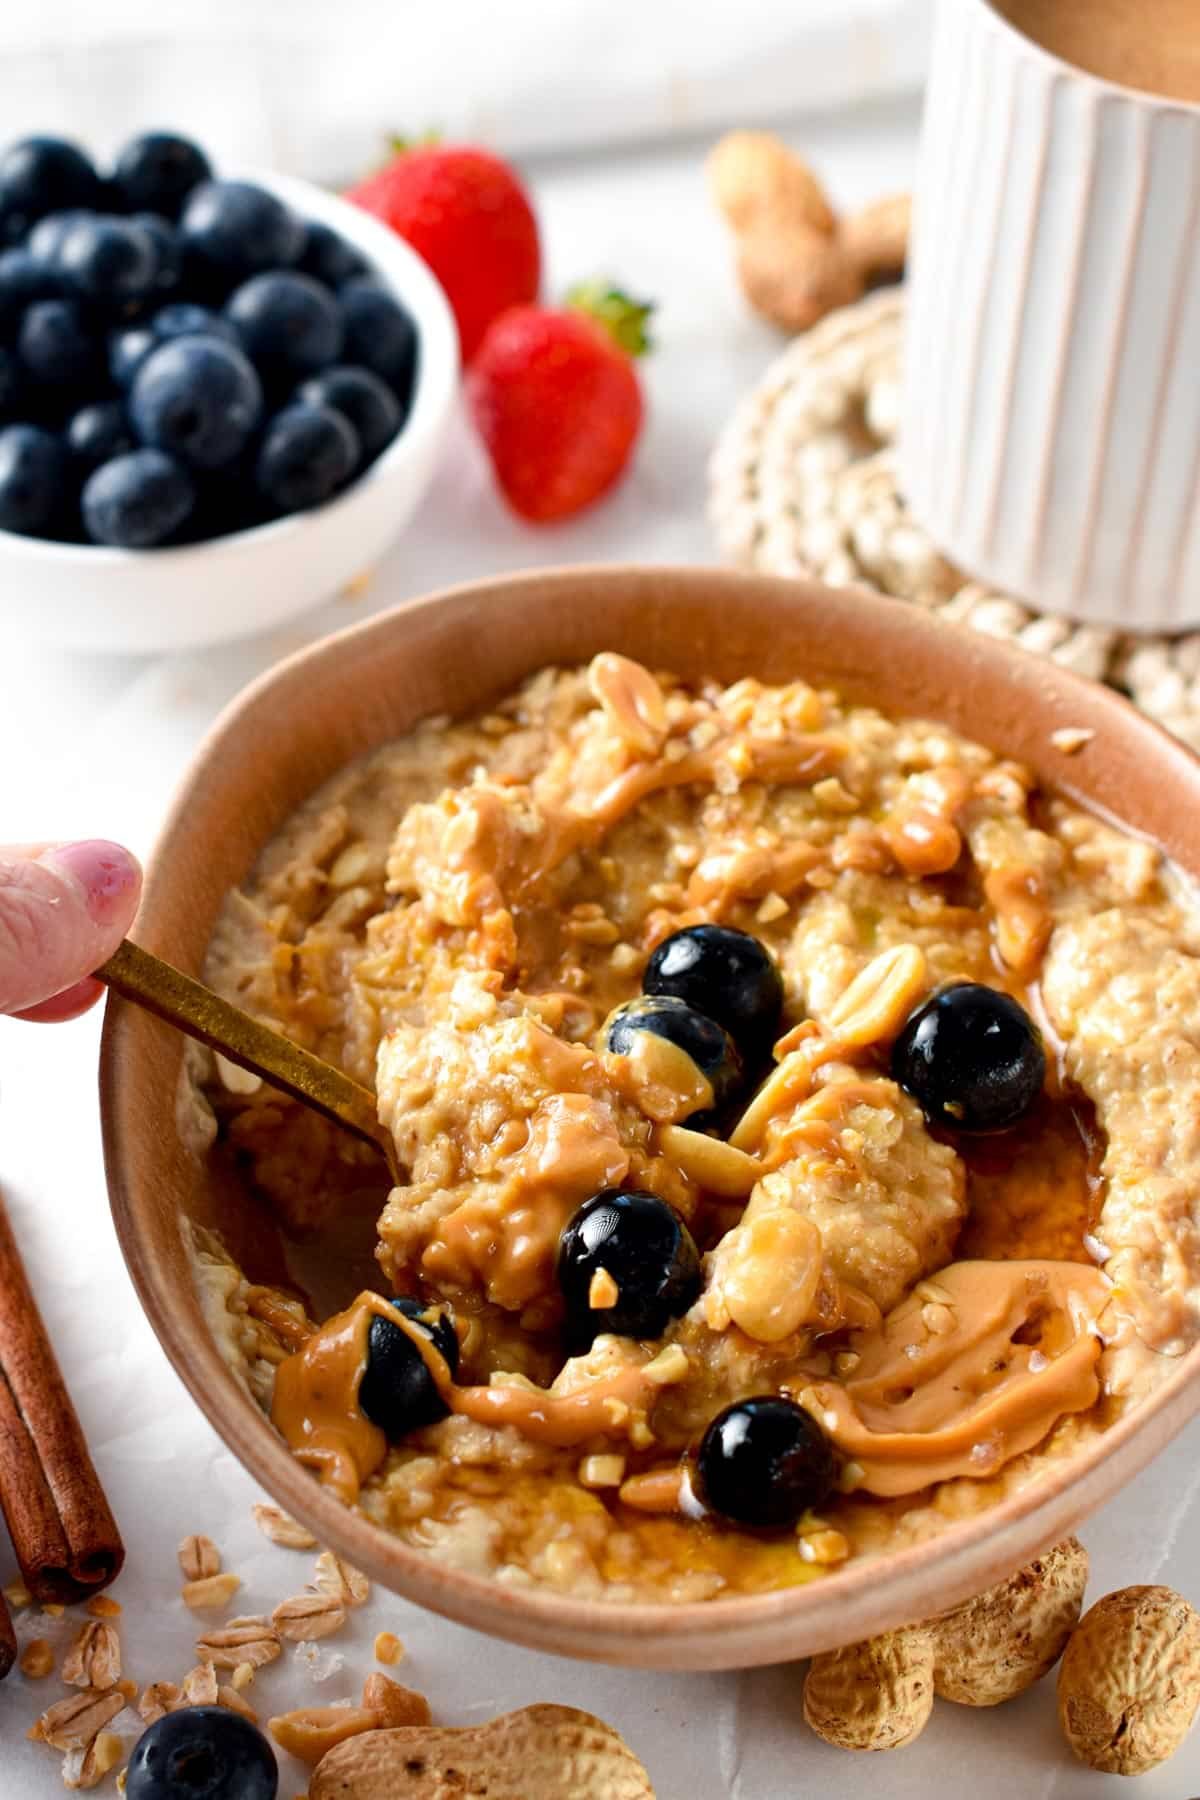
x=195 y=1009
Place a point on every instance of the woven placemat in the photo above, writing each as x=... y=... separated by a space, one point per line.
x=803 y=482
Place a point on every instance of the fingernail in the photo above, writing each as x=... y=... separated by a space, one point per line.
x=106 y=872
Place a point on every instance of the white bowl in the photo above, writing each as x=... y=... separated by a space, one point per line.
x=85 y=597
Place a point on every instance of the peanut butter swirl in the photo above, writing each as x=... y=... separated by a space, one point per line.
x=967 y=1372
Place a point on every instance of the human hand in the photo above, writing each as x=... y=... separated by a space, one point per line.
x=64 y=908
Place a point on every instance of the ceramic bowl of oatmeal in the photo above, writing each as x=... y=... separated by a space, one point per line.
x=784 y=1008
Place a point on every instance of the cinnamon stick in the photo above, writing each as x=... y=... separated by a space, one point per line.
x=65 y=1538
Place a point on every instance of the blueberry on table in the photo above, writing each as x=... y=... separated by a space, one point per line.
x=236 y=229
x=183 y=318
x=764 y=1462
x=156 y=172
x=197 y=397
x=307 y=454
x=137 y=500
x=707 y=1044
x=33 y=479
x=127 y=350
x=724 y=973
x=972 y=1059
x=396 y=1390
x=202 y=1753
x=56 y=345
x=362 y=398
x=289 y=324
x=40 y=175
x=380 y=336
x=112 y=261
x=329 y=258
x=97 y=432
x=627 y=1264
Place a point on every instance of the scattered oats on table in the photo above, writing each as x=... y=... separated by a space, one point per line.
x=282 y=1529
x=198 y=1558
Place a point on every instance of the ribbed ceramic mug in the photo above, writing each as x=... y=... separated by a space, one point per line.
x=1050 y=438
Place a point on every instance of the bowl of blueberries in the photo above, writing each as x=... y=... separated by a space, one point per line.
x=220 y=399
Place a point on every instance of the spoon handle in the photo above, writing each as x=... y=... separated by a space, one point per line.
x=184 y=1002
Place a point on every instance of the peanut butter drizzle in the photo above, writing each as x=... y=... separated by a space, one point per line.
x=796 y=760
x=948 y=1388
x=316 y=1410
x=288 y=1325
x=1023 y=921
x=922 y=842
x=558 y=1419
x=654 y=1491
x=315 y=1405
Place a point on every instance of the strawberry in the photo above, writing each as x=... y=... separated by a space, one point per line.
x=467 y=214
x=557 y=400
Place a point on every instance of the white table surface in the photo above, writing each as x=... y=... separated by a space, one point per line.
x=92 y=746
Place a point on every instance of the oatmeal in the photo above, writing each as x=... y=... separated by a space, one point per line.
x=796 y=1109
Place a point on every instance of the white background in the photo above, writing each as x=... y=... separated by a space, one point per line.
x=95 y=746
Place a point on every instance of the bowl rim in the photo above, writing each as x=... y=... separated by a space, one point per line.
x=606 y=1630
x=409 y=279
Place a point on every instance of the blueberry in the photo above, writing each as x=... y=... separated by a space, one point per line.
x=379 y=335
x=396 y=1390
x=156 y=172
x=97 y=432
x=361 y=397
x=330 y=258
x=699 y=1037
x=725 y=974
x=202 y=1753
x=197 y=397
x=307 y=454
x=235 y=229
x=23 y=279
x=168 y=249
x=137 y=500
x=182 y=318
x=972 y=1058
x=33 y=479
x=109 y=260
x=289 y=324
x=127 y=350
x=56 y=345
x=763 y=1463
x=647 y=1251
x=40 y=175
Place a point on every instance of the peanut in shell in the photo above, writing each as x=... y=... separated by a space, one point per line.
x=538 y=1753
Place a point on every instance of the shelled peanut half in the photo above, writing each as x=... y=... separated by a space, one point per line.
x=796 y=258
x=1128 y=1682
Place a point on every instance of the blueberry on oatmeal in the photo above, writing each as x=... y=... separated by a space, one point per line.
x=972 y=1058
x=397 y=1391
x=764 y=1462
x=726 y=974
x=626 y=1264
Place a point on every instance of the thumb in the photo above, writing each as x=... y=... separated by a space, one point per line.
x=63 y=910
